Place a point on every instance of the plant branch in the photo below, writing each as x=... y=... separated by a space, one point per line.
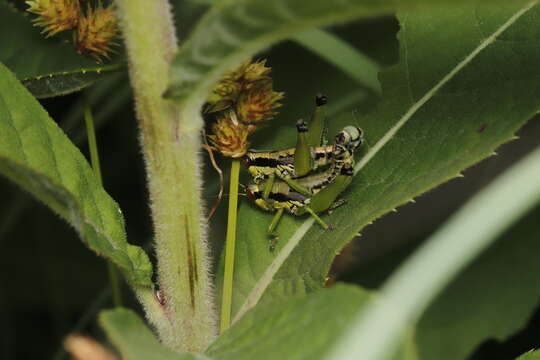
x=170 y=140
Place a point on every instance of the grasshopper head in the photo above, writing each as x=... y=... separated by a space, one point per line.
x=350 y=137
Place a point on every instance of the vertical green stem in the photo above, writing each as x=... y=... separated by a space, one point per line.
x=171 y=144
x=230 y=242
x=94 y=159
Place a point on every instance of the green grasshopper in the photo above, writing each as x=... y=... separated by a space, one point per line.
x=320 y=189
x=282 y=197
x=309 y=154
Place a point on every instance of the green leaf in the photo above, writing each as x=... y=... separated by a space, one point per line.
x=495 y=296
x=66 y=82
x=47 y=67
x=453 y=246
x=232 y=31
x=134 y=340
x=492 y=299
x=345 y=57
x=531 y=355
x=37 y=155
x=444 y=108
x=302 y=328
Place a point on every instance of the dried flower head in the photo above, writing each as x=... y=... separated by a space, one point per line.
x=225 y=94
x=230 y=135
x=257 y=104
x=55 y=16
x=96 y=32
x=241 y=101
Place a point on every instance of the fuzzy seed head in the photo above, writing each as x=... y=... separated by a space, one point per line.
x=226 y=93
x=96 y=32
x=241 y=101
x=230 y=135
x=257 y=104
x=55 y=16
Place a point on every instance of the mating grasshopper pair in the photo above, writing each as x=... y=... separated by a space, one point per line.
x=290 y=179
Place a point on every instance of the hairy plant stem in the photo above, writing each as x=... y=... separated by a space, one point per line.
x=94 y=159
x=230 y=243
x=170 y=139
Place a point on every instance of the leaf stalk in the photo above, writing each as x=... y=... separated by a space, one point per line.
x=230 y=244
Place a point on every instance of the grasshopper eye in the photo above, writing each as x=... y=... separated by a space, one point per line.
x=343 y=138
x=321 y=100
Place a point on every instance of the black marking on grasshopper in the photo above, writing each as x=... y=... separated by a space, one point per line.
x=278 y=196
x=301 y=126
x=347 y=170
x=268 y=161
x=321 y=100
x=322 y=152
x=261 y=164
x=290 y=200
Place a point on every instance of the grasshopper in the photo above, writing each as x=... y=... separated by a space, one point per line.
x=282 y=197
x=319 y=189
x=309 y=154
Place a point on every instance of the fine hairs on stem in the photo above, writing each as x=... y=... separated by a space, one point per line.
x=170 y=141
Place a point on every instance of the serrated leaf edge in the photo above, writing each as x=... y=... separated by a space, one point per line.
x=97 y=70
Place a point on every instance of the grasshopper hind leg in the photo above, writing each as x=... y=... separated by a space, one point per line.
x=302 y=153
x=335 y=205
x=271 y=229
x=318 y=219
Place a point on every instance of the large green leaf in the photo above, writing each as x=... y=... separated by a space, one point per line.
x=37 y=155
x=134 y=340
x=47 y=67
x=493 y=298
x=444 y=108
x=431 y=268
x=233 y=30
x=303 y=328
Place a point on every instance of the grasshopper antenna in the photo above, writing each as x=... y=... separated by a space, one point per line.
x=210 y=151
x=354 y=114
